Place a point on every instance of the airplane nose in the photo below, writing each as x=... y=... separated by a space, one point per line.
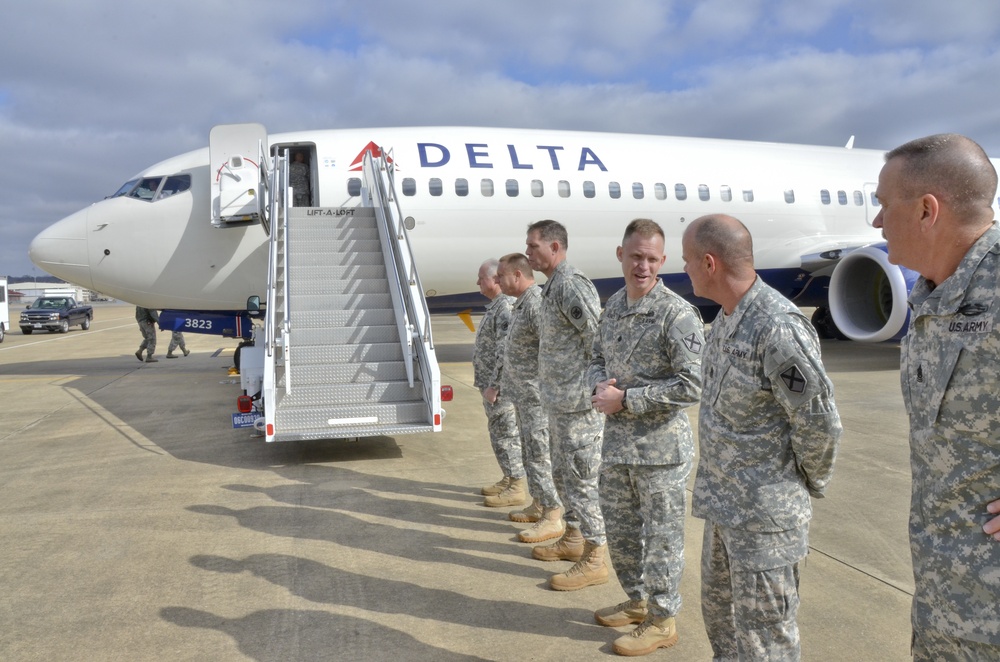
x=61 y=249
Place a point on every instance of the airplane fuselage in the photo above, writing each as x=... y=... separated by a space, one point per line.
x=471 y=193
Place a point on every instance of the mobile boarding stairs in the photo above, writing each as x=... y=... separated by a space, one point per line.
x=347 y=349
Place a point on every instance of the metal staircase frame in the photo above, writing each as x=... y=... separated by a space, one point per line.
x=411 y=312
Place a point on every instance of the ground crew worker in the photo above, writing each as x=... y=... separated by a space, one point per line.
x=519 y=379
x=570 y=310
x=936 y=195
x=768 y=431
x=487 y=357
x=645 y=370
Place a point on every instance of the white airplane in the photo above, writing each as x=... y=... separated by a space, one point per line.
x=471 y=192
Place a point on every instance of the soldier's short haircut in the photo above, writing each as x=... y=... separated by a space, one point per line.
x=518 y=262
x=726 y=238
x=549 y=230
x=951 y=167
x=645 y=228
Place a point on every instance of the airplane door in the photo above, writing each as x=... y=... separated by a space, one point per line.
x=235 y=153
x=871 y=210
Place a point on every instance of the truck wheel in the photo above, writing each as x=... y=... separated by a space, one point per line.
x=27 y=332
x=64 y=326
x=86 y=323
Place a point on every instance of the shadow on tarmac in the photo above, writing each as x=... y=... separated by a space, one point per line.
x=289 y=634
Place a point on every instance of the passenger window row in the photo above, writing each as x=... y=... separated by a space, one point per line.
x=512 y=188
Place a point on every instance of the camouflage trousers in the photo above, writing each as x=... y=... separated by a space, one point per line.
x=501 y=420
x=576 y=439
x=534 y=427
x=643 y=508
x=176 y=340
x=932 y=646
x=749 y=592
x=148 y=330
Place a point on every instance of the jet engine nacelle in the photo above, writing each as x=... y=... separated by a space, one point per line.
x=868 y=295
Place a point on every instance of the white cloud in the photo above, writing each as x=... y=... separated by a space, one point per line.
x=105 y=88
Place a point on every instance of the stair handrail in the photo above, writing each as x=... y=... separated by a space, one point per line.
x=373 y=195
x=381 y=182
x=286 y=323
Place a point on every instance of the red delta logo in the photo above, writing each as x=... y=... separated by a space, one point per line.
x=374 y=150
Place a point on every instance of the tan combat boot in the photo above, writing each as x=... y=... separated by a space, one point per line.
x=497 y=487
x=630 y=611
x=532 y=513
x=551 y=525
x=651 y=634
x=590 y=570
x=516 y=494
x=568 y=548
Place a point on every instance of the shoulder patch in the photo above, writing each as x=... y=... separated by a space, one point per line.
x=576 y=312
x=794 y=380
x=693 y=343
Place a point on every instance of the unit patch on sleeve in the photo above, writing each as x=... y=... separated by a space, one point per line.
x=576 y=312
x=793 y=379
x=693 y=343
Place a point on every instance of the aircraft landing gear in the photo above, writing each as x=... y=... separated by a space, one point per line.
x=825 y=327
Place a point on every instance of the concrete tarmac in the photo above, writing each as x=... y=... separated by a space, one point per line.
x=136 y=524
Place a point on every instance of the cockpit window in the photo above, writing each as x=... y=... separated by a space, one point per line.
x=154 y=188
x=173 y=185
x=125 y=188
x=147 y=188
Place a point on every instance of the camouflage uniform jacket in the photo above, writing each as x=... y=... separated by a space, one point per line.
x=950 y=358
x=768 y=427
x=653 y=349
x=519 y=375
x=146 y=315
x=488 y=352
x=568 y=323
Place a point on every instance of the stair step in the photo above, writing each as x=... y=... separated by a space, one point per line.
x=344 y=394
x=358 y=271
x=347 y=432
x=311 y=287
x=344 y=335
x=321 y=259
x=311 y=319
x=318 y=418
x=330 y=245
x=299 y=234
x=315 y=355
x=339 y=302
x=345 y=373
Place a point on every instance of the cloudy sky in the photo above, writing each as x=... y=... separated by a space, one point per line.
x=92 y=92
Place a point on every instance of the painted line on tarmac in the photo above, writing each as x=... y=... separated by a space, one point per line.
x=63 y=336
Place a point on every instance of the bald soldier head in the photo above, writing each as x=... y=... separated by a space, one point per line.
x=936 y=195
x=954 y=169
x=718 y=258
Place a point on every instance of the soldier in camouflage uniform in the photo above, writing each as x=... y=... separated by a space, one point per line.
x=298 y=179
x=570 y=311
x=177 y=340
x=768 y=430
x=487 y=358
x=147 y=319
x=645 y=370
x=519 y=380
x=936 y=195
